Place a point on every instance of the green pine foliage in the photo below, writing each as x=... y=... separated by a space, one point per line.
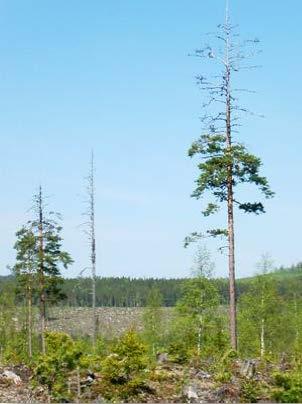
x=216 y=158
x=288 y=386
x=28 y=259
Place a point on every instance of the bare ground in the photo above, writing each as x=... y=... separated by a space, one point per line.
x=112 y=321
x=21 y=392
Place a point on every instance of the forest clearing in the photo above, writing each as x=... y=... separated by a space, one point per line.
x=171 y=354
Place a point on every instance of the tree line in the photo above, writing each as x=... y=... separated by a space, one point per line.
x=133 y=292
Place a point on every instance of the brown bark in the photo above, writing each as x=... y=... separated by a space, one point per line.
x=230 y=203
x=231 y=248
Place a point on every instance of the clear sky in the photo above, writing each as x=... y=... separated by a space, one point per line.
x=116 y=76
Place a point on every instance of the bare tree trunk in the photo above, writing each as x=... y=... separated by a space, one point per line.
x=93 y=246
x=262 y=338
x=296 y=318
x=230 y=197
x=199 y=341
x=42 y=297
x=29 y=321
x=262 y=331
x=200 y=328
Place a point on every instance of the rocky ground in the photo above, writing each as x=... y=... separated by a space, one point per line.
x=15 y=386
x=174 y=383
x=170 y=383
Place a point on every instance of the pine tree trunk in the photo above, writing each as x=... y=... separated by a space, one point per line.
x=230 y=191
x=232 y=279
x=230 y=207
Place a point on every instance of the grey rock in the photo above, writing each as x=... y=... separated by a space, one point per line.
x=248 y=368
x=162 y=358
x=8 y=374
x=190 y=392
x=203 y=375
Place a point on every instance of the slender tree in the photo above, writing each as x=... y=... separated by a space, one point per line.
x=25 y=272
x=225 y=163
x=153 y=320
x=199 y=294
x=203 y=264
x=261 y=317
x=92 y=242
x=293 y=295
x=40 y=259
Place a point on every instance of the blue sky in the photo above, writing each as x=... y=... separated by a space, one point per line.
x=116 y=76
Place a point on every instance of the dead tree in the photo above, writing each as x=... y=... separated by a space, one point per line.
x=92 y=242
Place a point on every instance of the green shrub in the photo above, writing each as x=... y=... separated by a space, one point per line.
x=179 y=352
x=182 y=339
x=15 y=349
x=289 y=387
x=250 y=391
x=223 y=366
x=62 y=357
x=124 y=370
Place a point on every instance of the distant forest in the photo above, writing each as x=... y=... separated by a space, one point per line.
x=132 y=292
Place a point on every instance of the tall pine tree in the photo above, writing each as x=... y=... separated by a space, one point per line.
x=225 y=163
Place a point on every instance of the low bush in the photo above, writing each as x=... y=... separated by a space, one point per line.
x=288 y=387
x=124 y=371
x=52 y=369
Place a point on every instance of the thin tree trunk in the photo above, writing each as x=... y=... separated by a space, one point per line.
x=42 y=297
x=93 y=248
x=230 y=198
x=262 y=331
x=296 y=319
x=200 y=328
x=29 y=320
x=262 y=338
x=199 y=341
x=232 y=278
